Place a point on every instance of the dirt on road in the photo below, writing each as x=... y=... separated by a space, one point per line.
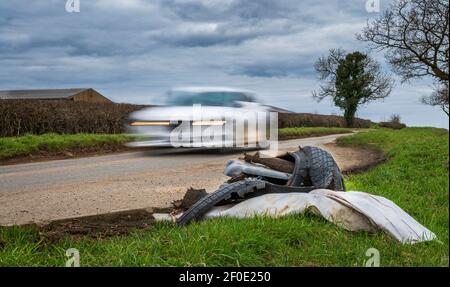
x=354 y=160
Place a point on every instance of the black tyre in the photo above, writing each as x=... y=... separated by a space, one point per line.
x=226 y=191
x=323 y=171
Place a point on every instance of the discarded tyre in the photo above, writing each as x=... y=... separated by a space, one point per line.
x=226 y=191
x=314 y=168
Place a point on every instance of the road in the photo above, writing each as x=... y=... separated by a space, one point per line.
x=43 y=191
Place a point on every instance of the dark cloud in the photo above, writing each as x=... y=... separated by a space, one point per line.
x=231 y=10
x=288 y=68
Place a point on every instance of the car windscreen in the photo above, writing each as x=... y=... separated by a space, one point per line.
x=207 y=98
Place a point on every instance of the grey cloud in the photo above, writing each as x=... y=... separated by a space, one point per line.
x=133 y=50
x=288 y=68
x=209 y=34
x=230 y=10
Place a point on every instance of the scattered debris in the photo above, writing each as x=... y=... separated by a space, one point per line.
x=237 y=167
x=275 y=163
x=237 y=178
x=310 y=168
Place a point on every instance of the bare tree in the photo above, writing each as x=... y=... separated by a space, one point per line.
x=351 y=80
x=395 y=118
x=439 y=98
x=415 y=36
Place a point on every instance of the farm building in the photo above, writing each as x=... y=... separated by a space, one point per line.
x=77 y=95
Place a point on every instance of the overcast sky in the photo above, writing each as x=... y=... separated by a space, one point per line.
x=135 y=50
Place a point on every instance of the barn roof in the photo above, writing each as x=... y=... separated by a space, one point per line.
x=41 y=94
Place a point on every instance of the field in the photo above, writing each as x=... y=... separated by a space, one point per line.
x=415 y=176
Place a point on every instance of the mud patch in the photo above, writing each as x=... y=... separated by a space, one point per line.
x=190 y=198
x=98 y=226
x=353 y=159
x=118 y=223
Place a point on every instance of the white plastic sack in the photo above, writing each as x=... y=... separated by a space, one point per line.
x=353 y=211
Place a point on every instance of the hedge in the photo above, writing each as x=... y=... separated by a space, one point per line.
x=19 y=117
x=313 y=120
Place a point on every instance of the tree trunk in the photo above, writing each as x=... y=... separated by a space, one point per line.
x=349 y=115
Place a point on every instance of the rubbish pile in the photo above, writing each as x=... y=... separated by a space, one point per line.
x=308 y=179
x=302 y=171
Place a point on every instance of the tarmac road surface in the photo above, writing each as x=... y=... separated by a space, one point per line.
x=43 y=191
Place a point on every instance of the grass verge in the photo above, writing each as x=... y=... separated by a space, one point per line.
x=63 y=144
x=415 y=176
x=48 y=144
x=304 y=132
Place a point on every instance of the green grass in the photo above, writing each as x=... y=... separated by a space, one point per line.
x=415 y=177
x=302 y=132
x=11 y=147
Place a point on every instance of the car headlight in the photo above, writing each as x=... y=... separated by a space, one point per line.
x=150 y=123
x=208 y=123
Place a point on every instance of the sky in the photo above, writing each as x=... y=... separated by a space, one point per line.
x=133 y=51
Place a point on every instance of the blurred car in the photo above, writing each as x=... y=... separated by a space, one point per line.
x=201 y=117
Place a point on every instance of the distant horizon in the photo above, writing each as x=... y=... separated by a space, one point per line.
x=268 y=47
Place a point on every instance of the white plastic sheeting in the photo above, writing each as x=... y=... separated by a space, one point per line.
x=354 y=211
